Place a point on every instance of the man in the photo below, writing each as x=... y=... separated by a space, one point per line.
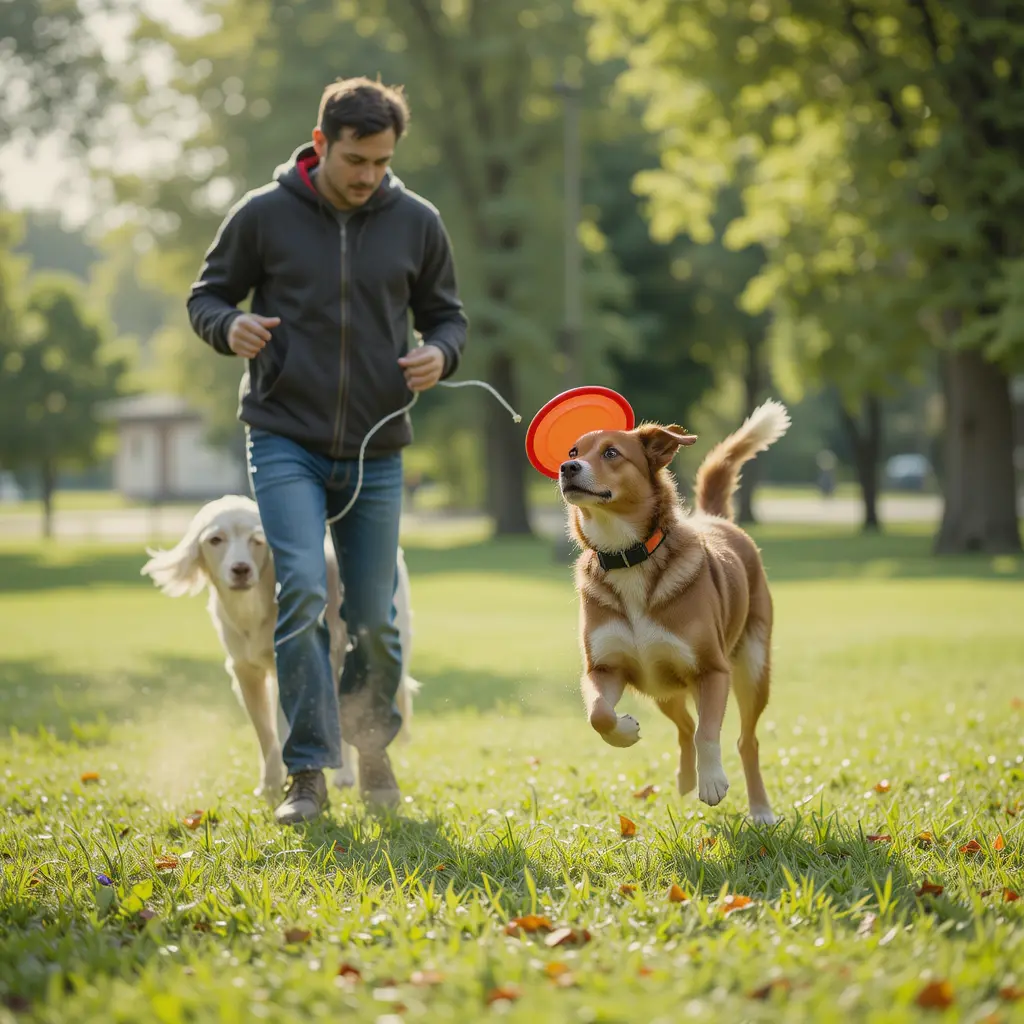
x=337 y=253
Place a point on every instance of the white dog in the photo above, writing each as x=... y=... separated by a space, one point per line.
x=224 y=549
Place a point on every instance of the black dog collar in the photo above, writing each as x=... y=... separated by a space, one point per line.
x=638 y=553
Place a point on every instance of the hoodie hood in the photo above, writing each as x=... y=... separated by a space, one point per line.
x=296 y=176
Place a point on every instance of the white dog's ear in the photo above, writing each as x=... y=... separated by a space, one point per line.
x=180 y=571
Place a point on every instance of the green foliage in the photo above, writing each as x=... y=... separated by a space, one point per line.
x=57 y=370
x=877 y=148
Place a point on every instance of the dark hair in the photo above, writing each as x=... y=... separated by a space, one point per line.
x=365 y=106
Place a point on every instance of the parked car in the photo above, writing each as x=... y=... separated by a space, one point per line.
x=908 y=472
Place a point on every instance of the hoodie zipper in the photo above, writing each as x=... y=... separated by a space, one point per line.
x=342 y=376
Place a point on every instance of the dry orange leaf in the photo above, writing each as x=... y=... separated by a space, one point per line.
x=645 y=972
x=1011 y=993
x=627 y=888
x=676 y=895
x=503 y=993
x=90 y=776
x=879 y=839
x=193 y=820
x=627 y=827
x=1017 y=703
x=972 y=847
x=297 y=935
x=732 y=903
x=338 y=848
x=441 y=867
x=646 y=793
x=936 y=995
x=1009 y=896
x=999 y=844
x=165 y=862
x=930 y=889
x=556 y=969
x=567 y=937
x=883 y=786
x=528 y=923
x=778 y=985
x=426 y=978
x=346 y=970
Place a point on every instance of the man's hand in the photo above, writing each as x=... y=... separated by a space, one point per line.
x=423 y=367
x=249 y=333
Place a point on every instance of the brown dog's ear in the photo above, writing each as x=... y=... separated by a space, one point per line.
x=662 y=443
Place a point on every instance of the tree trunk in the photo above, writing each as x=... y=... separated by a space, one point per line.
x=866 y=445
x=49 y=484
x=753 y=383
x=506 y=459
x=979 y=485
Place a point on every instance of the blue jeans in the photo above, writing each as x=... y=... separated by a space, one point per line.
x=297 y=491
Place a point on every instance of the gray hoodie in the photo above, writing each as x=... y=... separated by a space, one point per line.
x=343 y=286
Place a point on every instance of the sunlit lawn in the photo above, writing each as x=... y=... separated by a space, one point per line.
x=897 y=712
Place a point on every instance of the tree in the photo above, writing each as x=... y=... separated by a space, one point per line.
x=53 y=77
x=879 y=150
x=57 y=370
x=484 y=145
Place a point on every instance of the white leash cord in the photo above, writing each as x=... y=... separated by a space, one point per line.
x=398 y=412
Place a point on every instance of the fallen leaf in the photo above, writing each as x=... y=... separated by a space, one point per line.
x=297 y=935
x=972 y=847
x=528 y=923
x=1009 y=896
x=645 y=972
x=567 y=937
x=930 y=889
x=556 y=969
x=627 y=888
x=925 y=838
x=90 y=776
x=193 y=820
x=165 y=862
x=1011 y=993
x=441 y=867
x=867 y=924
x=426 y=978
x=502 y=993
x=646 y=793
x=778 y=985
x=732 y=903
x=346 y=970
x=627 y=827
x=999 y=844
x=1017 y=703
x=936 y=995
x=677 y=895
x=338 y=848
x=883 y=786
x=707 y=843
x=879 y=839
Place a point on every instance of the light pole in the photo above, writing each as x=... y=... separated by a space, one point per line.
x=570 y=335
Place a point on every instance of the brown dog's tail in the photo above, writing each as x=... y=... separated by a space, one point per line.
x=719 y=473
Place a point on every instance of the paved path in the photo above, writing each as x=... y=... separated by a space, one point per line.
x=143 y=524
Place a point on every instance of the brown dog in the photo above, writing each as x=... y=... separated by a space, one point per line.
x=673 y=604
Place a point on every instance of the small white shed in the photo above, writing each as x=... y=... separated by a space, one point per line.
x=162 y=454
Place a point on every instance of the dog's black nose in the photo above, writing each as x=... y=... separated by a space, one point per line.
x=241 y=570
x=570 y=469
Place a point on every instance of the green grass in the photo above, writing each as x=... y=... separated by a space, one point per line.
x=889 y=665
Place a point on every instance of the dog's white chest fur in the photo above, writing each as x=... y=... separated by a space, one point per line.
x=655 y=658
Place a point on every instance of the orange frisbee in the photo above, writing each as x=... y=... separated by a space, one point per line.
x=567 y=417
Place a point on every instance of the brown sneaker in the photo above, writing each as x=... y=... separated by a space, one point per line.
x=377 y=783
x=305 y=800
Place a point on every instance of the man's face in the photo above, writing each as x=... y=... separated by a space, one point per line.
x=352 y=169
